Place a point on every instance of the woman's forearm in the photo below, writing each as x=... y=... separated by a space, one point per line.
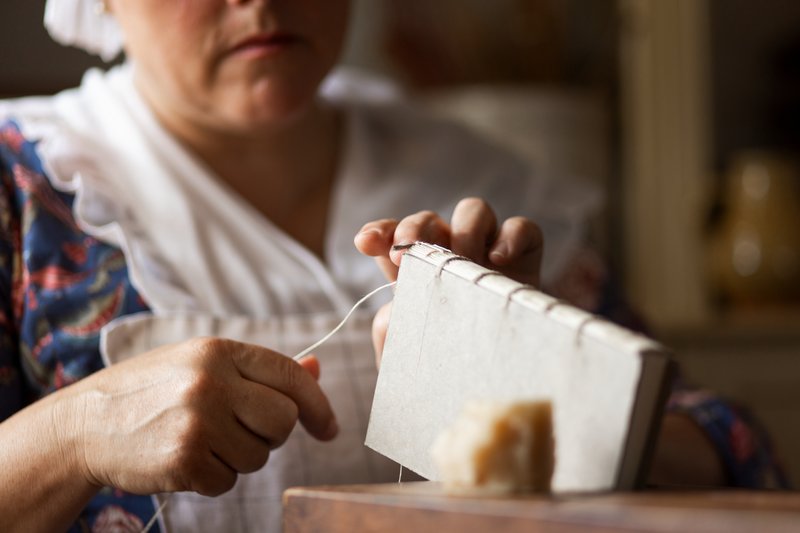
x=42 y=487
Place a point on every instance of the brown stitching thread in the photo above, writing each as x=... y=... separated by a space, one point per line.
x=449 y=260
x=516 y=290
x=477 y=280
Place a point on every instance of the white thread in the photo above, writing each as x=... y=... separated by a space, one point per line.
x=482 y=275
x=552 y=305
x=579 y=332
x=400 y=477
x=337 y=328
x=296 y=358
x=521 y=288
x=160 y=509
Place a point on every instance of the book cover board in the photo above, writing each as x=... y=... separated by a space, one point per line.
x=458 y=333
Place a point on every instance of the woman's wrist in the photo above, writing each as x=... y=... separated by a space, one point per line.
x=48 y=487
x=69 y=412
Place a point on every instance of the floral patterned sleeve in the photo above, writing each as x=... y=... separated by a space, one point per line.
x=11 y=386
x=58 y=288
x=742 y=444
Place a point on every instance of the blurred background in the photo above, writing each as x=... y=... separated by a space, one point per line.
x=685 y=113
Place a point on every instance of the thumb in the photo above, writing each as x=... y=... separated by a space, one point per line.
x=311 y=364
x=379 y=326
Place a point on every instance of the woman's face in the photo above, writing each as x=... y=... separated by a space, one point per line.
x=236 y=64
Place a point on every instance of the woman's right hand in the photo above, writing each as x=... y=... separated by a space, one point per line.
x=191 y=416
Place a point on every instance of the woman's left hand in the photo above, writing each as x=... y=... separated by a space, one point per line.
x=514 y=249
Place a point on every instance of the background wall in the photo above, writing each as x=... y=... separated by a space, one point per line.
x=30 y=62
x=756 y=75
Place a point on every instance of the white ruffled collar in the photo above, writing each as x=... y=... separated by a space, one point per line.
x=191 y=243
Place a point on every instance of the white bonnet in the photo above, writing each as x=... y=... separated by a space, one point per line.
x=84 y=24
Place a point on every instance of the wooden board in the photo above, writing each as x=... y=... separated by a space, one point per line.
x=422 y=506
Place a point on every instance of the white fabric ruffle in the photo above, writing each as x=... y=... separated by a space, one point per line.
x=191 y=243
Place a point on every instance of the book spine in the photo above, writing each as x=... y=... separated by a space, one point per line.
x=585 y=325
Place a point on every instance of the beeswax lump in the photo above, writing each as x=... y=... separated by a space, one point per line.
x=497 y=448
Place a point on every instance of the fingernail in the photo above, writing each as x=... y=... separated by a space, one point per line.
x=372 y=231
x=500 y=253
x=398 y=247
x=332 y=430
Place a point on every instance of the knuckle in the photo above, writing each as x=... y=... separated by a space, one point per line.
x=183 y=464
x=184 y=467
x=191 y=470
x=473 y=203
x=422 y=218
x=524 y=225
x=189 y=430
x=206 y=346
x=189 y=436
x=375 y=224
x=203 y=378
x=176 y=478
x=199 y=344
x=216 y=485
x=284 y=426
x=369 y=225
x=463 y=234
x=202 y=387
x=423 y=225
x=290 y=375
x=255 y=461
x=519 y=223
x=383 y=222
x=471 y=215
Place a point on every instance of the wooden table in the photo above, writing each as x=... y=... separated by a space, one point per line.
x=421 y=507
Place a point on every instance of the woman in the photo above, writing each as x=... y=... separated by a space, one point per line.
x=204 y=192
x=206 y=189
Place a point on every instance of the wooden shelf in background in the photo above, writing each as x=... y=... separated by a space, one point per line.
x=743 y=328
